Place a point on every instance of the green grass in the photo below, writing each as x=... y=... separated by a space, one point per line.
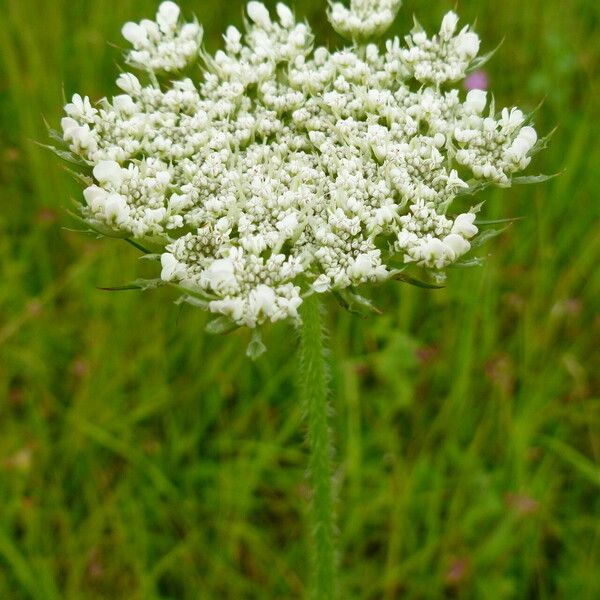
x=143 y=459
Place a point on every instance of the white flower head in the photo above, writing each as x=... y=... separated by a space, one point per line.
x=288 y=170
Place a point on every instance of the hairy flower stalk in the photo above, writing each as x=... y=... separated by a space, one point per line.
x=274 y=171
x=313 y=371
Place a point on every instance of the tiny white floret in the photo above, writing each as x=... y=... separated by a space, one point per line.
x=108 y=171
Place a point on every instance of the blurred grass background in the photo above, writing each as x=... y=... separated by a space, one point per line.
x=142 y=459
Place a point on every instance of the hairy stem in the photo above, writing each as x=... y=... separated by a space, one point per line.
x=314 y=386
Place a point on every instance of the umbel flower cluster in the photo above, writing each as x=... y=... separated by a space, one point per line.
x=276 y=169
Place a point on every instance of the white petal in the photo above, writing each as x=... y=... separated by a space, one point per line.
x=68 y=125
x=134 y=34
x=129 y=83
x=321 y=284
x=115 y=207
x=258 y=13
x=449 y=25
x=262 y=300
x=458 y=244
x=463 y=225
x=362 y=266
x=124 y=103
x=95 y=197
x=167 y=15
x=108 y=171
x=171 y=268
x=190 y=31
x=285 y=15
x=529 y=134
x=468 y=44
x=230 y=307
x=476 y=101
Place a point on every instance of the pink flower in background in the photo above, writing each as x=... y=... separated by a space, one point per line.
x=477 y=80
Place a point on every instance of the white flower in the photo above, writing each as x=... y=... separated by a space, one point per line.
x=364 y=18
x=108 y=171
x=171 y=268
x=288 y=225
x=523 y=143
x=190 y=32
x=115 y=209
x=258 y=12
x=529 y=136
x=261 y=300
x=476 y=101
x=361 y=267
x=129 y=83
x=165 y=44
x=468 y=44
x=441 y=59
x=219 y=275
x=285 y=15
x=232 y=39
x=135 y=34
x=80 y=108
x=464 y=225
x=449 y=23
x=167 y=16
x=68 y=126
x=284 y=170
x=230 y=307
x=458 y=244
x=125 y=104
x=95 y=197
x=321 y=284
x=436 y=253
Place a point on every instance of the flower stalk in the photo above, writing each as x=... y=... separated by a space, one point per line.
x=315 y=398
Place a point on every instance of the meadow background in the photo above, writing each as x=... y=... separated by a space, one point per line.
x=143 y=459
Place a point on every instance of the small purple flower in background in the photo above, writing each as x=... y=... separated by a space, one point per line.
x=477 y=80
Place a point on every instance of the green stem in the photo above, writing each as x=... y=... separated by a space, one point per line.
x=314 y=385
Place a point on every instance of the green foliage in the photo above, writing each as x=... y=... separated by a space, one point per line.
x=142 y=458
